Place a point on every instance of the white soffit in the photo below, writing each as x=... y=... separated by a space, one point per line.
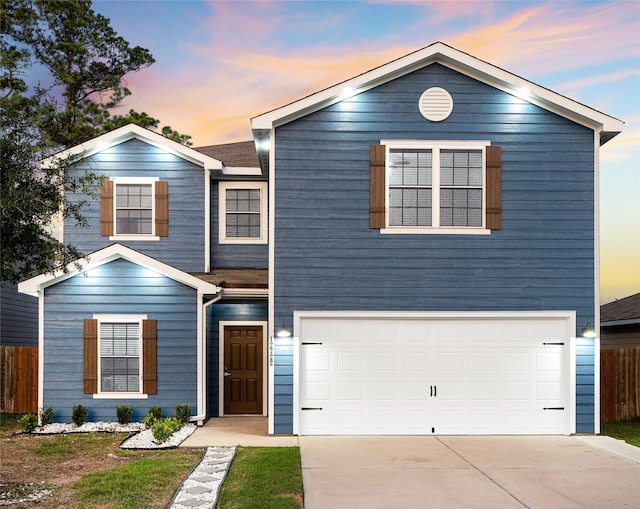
x=456 y=60
x=129 y=132
x=113 y=252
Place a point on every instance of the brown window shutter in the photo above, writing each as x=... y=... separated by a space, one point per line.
x=494 y=187
x=90 y=356
x=149 y=364
x=162 y=208
x=377 y=186
x=106 y=208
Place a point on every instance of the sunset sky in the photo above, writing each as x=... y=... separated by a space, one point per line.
x=220 y=63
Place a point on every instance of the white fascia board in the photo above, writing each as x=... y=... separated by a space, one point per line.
x=457 y=60
x=245 y=292
x=241 y=170
x=35 y=285
x=126 y=133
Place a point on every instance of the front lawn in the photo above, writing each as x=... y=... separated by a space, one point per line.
x=628 y=431
x=265 y=477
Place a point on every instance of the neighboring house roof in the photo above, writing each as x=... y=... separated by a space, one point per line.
x=239 y=154
x=457 y=60
x=621 y=312
x=113 y=252
x=129 y=132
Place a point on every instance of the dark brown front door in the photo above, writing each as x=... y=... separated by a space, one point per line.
x=242 y=370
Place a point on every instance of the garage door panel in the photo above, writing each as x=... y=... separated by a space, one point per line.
x=389 y=376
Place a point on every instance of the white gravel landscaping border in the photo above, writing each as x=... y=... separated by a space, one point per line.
x=143 y=439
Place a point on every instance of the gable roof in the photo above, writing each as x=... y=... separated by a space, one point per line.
x=622 y=311
x=129 y=132
x=450 y=57
x=108 y=254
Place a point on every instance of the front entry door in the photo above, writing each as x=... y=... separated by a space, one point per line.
x=243 y=370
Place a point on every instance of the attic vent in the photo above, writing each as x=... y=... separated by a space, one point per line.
x=435 y=104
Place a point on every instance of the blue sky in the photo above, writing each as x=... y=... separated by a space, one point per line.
x=218 y=63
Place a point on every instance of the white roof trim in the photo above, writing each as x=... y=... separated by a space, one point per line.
x=126 y=133
x=241 y=170
x=454 y=59
x=35 y=285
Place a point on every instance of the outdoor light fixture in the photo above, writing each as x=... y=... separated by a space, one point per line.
x=283 y=332
x=588 y=331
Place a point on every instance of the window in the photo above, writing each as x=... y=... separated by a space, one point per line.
x=435 y=187
x=243 y=212
x=134 y=208
x=120 y=356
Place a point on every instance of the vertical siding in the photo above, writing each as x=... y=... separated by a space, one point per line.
x=120 y=287
x=327 y=257
x=18 y=317
x=184 y=247
x=226 y=311
x=254 y=256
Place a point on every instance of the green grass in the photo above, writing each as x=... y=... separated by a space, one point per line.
x=139 y=483
x=628 y=431
x=9 y=422
x=265 y=478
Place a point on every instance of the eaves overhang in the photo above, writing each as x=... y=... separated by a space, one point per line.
x=129 y=132
x=441 y=53
x=35 y=285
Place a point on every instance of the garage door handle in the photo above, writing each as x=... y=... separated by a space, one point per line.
x=311 y=408
x=550 y=343
x=433 y=391
x=553 y=408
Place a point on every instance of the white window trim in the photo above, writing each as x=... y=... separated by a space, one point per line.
x=120 y=319
x=222 y=213
x=135 y=180
x=436 y=146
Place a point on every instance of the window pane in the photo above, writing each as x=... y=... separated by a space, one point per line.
x=120 y=357
x=243 y=213
x=134 y=209
x=461 y=207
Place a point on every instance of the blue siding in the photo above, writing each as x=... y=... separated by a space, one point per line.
x=254 y=256
x=283 y=385
x=585 y=385
x=184 y=247
x=124 y=288
x=18 y=317
x=226 y=311
x=327 y=257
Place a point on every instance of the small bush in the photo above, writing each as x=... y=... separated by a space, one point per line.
x=183 y=413
x=79 y=414
x=164 y=428
x=154 y=414
x=124 y=413
x=29 y=422
x=46 y=415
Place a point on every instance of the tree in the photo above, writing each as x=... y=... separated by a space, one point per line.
x=30 y=196
x=87 y=62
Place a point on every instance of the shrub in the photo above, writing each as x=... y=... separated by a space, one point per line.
x=123 y=413
x=79 y=414
x=29 y=422
x=183 y=413
x=164 y=428
x=46 y=415
x=154 y=414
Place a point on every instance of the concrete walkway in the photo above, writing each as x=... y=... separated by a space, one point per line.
x=469 y=472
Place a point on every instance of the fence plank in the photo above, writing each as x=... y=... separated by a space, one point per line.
x=19 y=379
x=620 y=384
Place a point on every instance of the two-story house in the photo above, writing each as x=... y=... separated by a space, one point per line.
x=426 y=232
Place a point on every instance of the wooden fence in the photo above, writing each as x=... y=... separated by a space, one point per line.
x=620 y=384
x=19 y=379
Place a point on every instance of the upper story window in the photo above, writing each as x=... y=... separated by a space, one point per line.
x=243 y=212
x=134 y=208
x=434 y=187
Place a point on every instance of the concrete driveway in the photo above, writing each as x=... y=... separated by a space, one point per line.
x=469 y=472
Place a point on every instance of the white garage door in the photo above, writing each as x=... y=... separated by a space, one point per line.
x=427 y=375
